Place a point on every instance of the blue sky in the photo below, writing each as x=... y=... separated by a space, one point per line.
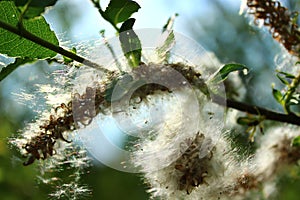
x=153 y=14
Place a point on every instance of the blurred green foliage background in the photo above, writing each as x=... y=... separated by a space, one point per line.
x=217 y=26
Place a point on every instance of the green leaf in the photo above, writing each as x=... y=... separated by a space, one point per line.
x=223 y=73
x=121 y=86
x=130 y=43
x=119 y=11
x=164 y=49
x=287 y=75
x=118 y=88
x=11 y=67
x=35 y=7
x=169 y=25
x=15 y=46
x=277 y=95
x=296 y=142
x=283 y=80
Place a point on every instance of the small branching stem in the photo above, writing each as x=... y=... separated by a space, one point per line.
x=291 y=90
x=20 y=23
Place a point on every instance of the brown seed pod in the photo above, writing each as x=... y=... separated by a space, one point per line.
x=281 y=22
x=40 y=145
x=193 y=165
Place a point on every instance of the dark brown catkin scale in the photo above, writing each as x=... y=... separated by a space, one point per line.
x=49 y=133
x=191 y=167
x=81 y=110
x=286 y=152
x=281 y=22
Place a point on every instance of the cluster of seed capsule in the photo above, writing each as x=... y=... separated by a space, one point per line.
x=281 y=22
x=194 y=163
x=168 y=77
x=66 y=117
x=287 y=153
x=81 y=110
x=41 y=146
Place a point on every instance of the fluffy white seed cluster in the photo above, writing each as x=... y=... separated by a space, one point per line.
x=68 y=156
x=185 y=155
x=71 y=191
x=188 y=154
x=54 y=156
x=201 y=164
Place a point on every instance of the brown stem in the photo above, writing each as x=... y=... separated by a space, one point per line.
x=256 y=110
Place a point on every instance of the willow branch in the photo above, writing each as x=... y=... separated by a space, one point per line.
x=29 y=36
x=256 y=110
